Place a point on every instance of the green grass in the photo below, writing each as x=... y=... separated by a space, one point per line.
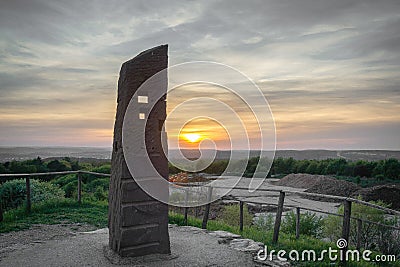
x=53 y=212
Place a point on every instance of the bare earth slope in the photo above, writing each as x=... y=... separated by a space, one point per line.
x=389 y=194
x=319 y=184
x=327 y=185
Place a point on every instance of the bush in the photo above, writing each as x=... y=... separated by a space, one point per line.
x=230 y=215
x=373 y=237
x=63 y=180
x=265 y=222
x=100 y=194
x=71 y=189
x=59 y=165
x=310 y=224
x=106 y=168
x=13 y=193
x=100 y=182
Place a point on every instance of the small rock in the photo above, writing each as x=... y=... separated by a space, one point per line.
x=246 y=245
x=224 y=234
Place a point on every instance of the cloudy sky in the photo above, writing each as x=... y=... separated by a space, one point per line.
x=329 y=69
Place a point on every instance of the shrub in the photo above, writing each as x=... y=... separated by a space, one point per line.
x=310 y=224
x=63 y=180
x=100 y=182
x=106 y=168
x=265 y=222
x=71 y=189
x=230 y=215
x=13 y=193
x=100 y=193
x=59 y=165
x=373 y=237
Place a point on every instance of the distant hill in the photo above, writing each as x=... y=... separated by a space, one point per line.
x=24 y=153
x=370 y=155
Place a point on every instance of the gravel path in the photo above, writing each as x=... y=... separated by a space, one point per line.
x=38 y=233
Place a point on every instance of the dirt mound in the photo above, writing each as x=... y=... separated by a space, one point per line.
x=319 y=184
x=332 y=186
x=301 y=180
x=389 y=194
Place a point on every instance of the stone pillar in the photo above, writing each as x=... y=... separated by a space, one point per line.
x=138 y=223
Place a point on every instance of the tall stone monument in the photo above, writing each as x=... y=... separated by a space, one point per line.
x=138 y=223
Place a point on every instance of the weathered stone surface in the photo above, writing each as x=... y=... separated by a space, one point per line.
x=138 y=224
x=224 y=234
x=132 y=193
x=143 y=214
x=246 y=245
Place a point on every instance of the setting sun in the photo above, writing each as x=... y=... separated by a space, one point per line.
x=192 y=137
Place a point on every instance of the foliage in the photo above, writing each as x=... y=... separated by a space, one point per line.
x=38 y=165
x=102 y=183
x=100 y=194
x=217 y=167
x=373 y=236
x=381 y=170
x=106 y=168
x=230 y=215
x=63 y=180
x=265 y=222
x=310 y=224
x=96 y=187
x=13 y=193
x=56 y=211
x=71 y=189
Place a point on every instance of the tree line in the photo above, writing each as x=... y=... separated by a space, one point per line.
x=388 y=168
x=382 y=169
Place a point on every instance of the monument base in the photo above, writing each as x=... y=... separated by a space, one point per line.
x=116 y=259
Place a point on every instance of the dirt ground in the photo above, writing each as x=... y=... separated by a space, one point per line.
x=39 y=233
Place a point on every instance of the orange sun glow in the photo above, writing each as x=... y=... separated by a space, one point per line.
x=192 y=137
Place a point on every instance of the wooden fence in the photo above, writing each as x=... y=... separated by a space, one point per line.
x=347 y=202
x=28 y=177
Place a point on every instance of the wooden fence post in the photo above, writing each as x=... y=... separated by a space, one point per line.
x=79 y=188
x=297 y=222
x=241 y=216
x=359 y=233
x=346 y=226
x=28 y=194
x=207 y=209
x=278 y=217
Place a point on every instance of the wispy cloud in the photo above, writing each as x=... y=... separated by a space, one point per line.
x=330 y=69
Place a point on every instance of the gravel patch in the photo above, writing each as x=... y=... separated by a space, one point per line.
x=39 y=233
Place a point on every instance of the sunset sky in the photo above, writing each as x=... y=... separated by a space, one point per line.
x=330 y=70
